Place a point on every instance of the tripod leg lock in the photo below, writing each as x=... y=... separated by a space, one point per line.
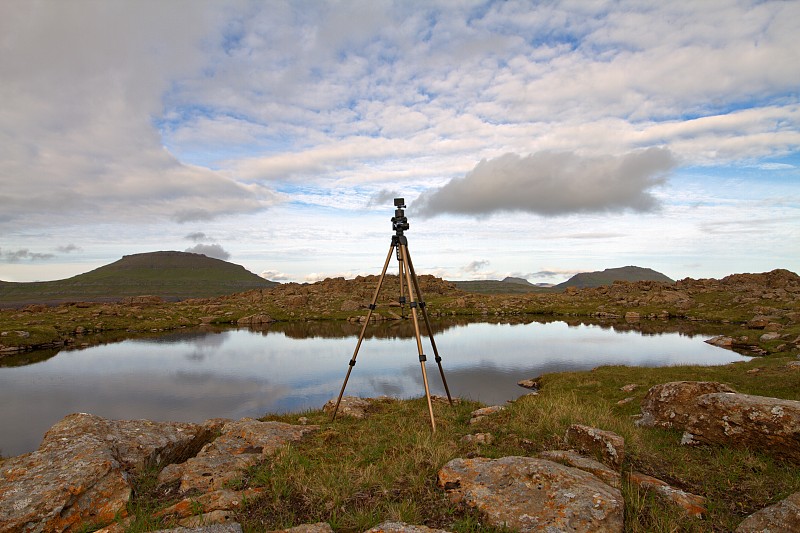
x=372 y=307
x=422 y=358
x=422 y=305
x=402 y=300
x=438 y=359
x=413 y=304
x=352 y=362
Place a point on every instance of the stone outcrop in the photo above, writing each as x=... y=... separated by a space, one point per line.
x=606 y=445
x=349 y=406
x=669 y=405
x=771 y=425
x=530 y=494
x=783 y=516
x=241 y=444
x=82 y=471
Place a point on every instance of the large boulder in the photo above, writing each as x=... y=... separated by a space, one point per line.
x=529 y=494
x=771 y=425
x=82 y=471
x=669 y=405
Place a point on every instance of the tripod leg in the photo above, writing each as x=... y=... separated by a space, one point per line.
x=413 y=305
x=372 y=306
x=402 y=286
x=410 y=267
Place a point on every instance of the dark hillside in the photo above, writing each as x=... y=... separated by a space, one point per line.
x=610 y=275
x=169 y=275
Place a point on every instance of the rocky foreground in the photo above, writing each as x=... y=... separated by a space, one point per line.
x=83 y=475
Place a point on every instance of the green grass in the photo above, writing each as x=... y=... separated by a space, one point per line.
x=355 y=474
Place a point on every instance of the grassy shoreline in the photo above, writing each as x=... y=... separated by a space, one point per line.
x=355 y=474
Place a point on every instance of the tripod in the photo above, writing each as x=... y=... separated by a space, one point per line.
x=407 y=279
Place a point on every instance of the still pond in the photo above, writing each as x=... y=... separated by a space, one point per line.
x=191 y=376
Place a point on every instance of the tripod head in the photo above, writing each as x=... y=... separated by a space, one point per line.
x=399 y=220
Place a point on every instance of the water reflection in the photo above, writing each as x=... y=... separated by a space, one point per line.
x=200 y=374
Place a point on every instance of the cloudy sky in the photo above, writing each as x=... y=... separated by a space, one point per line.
x=532 y=139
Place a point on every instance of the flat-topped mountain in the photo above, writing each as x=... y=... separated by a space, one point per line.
x=169 y=275
x=610 y=275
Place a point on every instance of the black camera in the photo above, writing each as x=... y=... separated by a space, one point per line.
x=399 y=220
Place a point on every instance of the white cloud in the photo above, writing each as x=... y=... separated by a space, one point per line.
x=124 y=117
x=553 y=183
x=210 y=250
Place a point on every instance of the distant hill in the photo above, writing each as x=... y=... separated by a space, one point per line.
x=170 y=275
x=511 y=285
x=521 y=281
x=610 y=275
x=508 y=285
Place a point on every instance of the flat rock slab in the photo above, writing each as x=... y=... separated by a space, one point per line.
x=241 y=444
x=574 y=459
x=783 y=516
x=690 y=504
x=529 y=494
x=82 y=470
x=401 y=527
x=231 y=527
x=319 y=527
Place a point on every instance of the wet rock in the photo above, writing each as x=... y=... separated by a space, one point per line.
x=771 y=425
x=401 y=527
x=668 y=405
x=242 y=444
x=349 y=406
x=255 y=320
x=691 y=504
x=532 y=384
x=529 y=494
x=783 y=516
x=722 y=341
x=606 y=445
x=576 y=460
x=82 y=470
